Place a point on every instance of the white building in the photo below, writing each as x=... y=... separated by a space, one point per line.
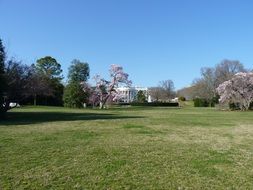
x=129 y=94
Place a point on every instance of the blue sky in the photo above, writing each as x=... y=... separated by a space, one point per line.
x=153 y=40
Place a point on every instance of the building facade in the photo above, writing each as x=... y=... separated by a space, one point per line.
x=129 y=94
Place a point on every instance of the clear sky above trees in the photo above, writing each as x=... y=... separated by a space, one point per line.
x=152 y=39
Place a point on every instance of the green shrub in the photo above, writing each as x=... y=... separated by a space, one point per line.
x=200 y=102
x=181 y=98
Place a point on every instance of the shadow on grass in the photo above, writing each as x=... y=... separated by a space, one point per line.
x=25 y=118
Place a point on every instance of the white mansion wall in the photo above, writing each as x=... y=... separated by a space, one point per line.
x=129 y=93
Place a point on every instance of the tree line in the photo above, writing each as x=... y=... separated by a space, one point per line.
x=228 y=83
x=40 y=83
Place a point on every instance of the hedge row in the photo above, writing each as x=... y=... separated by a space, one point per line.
x=158 y=104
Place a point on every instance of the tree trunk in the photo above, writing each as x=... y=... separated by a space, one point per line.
x=35 y=100
x=103 y=102
x=101 y=105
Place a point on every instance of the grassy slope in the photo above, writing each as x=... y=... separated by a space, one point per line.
x=154 y=148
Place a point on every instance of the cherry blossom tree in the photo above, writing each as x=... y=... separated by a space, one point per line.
x=238 y=90
x=106 y=89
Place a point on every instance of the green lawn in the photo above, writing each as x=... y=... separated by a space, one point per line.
x=128 y=148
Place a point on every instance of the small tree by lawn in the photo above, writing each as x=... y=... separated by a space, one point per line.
x=106 y=89
x=238 y=90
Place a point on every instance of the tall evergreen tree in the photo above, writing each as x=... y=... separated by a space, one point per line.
x=78 y=71
x=50 y=69
x=74 y=94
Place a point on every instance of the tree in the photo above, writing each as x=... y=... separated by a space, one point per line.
x=238 y=90
x=56 y=99
x=2 y=59
x=76 y=92
x=3 y=84
x=187 y=92
x=208 y=79
x=105 y=89
x=211 y=78
x=16 y=77
x=94 y=98
x=36 y=85
x=226 y=69
x=50 y=69
x=141 y=96
x=75 y=96
x=13 y=76
x=204 y=87
x=168 y=89
x=156 y=93
x=78 y=71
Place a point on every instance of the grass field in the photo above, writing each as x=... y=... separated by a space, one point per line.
x=128 y=148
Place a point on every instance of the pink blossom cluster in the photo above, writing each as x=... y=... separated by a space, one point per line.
x=105 y=89
x=118 y=75
x=238 y=90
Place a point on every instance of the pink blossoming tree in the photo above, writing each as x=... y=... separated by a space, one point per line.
x=106 y=89
x=238 y=90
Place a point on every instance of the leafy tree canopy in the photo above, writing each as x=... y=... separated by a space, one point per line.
x=78 y=71
x=49 y=67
